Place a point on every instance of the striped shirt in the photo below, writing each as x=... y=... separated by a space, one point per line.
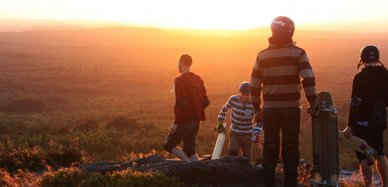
x=277 y=72
x=241 y=115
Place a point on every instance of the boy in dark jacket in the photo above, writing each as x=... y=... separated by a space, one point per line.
x=367 y=114
x=189 y=110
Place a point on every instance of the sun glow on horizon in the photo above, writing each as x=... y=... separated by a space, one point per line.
x=200 y=14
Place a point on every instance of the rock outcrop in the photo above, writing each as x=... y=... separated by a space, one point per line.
x=227 y=171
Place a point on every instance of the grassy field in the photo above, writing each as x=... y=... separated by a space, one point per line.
x=104 y=93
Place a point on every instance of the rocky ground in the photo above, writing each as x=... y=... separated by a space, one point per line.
x=353 y=177
x=225 y=172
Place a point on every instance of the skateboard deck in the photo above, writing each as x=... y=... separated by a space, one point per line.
x=359 y=145
x=325 y=143
x=219 y=144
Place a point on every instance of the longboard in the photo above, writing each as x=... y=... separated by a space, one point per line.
x=219 y=144
x=359 y=145
x=325 y=143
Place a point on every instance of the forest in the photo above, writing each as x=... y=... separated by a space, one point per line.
x=79 y=96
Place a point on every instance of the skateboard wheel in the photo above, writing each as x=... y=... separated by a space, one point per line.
x=333 y=110
x=312 y=182
x=369 y=161
x=362 y=146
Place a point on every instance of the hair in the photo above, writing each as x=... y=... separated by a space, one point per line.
x=186 y=59
x=371 y=61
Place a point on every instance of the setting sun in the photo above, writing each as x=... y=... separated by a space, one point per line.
x=201 y=14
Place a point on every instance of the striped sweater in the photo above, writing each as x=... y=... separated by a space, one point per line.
x=277 y=72
x=241 y=115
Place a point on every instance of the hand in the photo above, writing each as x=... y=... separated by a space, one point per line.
x=347 y=131
x=314 y=111
x=255 y=138
x=257 y=108
x=220 y=127
x=173 y=128
x=258 y=116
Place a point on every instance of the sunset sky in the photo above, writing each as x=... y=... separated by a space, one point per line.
x=205 y=14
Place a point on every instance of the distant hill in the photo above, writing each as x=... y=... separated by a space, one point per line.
x=217 y=46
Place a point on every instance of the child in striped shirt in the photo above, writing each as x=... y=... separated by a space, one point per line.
x=241 y=134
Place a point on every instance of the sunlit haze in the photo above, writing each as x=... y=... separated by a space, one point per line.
x=84 y=81
x=202 y=14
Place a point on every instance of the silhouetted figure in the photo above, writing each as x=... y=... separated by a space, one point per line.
x=241 y=130
x=276 y=74
x=189 y=110
x=367 y=114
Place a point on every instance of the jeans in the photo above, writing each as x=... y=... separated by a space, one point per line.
x=288 y=121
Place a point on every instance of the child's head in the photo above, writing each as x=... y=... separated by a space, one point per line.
x=369 y=55
x=244 y=92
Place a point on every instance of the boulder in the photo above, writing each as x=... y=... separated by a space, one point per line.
x=227 y=171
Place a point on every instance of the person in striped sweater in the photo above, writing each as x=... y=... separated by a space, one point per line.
x=278 y=73
x=241 y=117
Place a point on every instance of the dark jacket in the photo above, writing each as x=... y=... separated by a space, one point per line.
x=368 y=85
x=190 y=94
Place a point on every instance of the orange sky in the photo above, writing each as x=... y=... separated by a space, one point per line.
x=207 y=14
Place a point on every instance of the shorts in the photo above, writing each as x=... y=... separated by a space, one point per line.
x=376 y=141
x=187 y=133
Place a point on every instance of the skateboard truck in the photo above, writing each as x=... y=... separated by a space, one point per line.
x=332 y=109
x=325 y=183
x=358 y=145
x=368 y=153
x=323 y=107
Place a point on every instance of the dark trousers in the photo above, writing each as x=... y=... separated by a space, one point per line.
x=288 y=121
x=187 y=133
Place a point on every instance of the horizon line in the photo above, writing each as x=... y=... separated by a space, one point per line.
x=9 y=24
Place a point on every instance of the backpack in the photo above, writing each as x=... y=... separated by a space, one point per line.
x=378 y=118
